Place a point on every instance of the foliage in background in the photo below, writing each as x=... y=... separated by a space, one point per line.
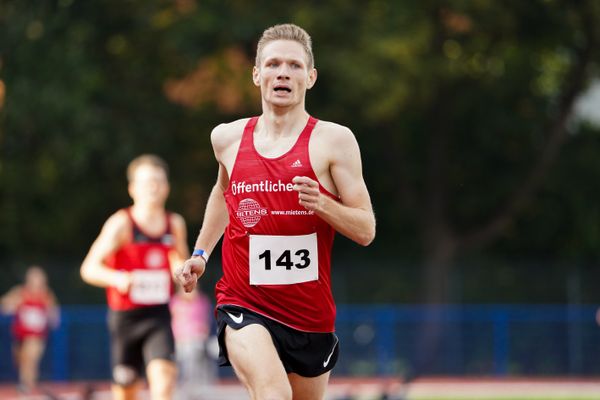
x=461 y=108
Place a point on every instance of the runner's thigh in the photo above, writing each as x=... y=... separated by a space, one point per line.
x=309 y=388
x=254 y=358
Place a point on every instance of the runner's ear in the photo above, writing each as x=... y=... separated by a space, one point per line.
x=312 y=78
x=256 y=75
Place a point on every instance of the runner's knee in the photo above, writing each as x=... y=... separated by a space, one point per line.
x=274 y=392
x=162 y=376
x=124 y=375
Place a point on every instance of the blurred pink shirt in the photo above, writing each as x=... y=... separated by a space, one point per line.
x=191 y=316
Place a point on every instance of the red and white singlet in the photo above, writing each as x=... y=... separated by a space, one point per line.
x=147 y=259
x=32 y=315
x=276 y=254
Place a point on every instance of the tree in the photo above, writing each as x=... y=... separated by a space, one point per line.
x=461 y=109
x=471 y=104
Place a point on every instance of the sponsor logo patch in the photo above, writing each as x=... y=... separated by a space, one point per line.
x=249 y=212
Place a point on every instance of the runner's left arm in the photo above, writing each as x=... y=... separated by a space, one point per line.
x=53 y=311
x=353 y=215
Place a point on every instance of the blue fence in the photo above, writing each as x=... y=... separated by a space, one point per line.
x=382 y=341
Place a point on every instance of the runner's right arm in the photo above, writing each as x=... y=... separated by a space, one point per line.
x=11 y=300
x=216 y=217
x=215 y=220
x=93 y=269
x=181 y=251
x=223 y=138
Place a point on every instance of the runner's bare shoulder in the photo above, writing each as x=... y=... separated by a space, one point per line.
x=117 y=227
x=331 y=142
x=332 y=133
x=225 y=135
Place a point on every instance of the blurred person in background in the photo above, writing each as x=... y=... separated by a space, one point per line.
x=192 y=320
x=133 y=258
x=286 y=183
x=35 y=311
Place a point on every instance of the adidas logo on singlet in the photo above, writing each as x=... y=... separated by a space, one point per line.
x=296 y=164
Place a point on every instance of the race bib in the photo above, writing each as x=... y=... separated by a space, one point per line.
x=150 y=287
x=33 y=319
x=283 y=260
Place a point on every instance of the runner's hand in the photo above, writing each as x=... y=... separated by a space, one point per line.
x=188 y=274
x=309 y=195
x=123 y=282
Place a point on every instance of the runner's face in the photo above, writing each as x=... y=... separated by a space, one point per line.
x=283 y=74
x=150 y=186
x=35 y=279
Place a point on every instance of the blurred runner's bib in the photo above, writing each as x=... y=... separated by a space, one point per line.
x=34 y=318
x=146 y=258
x=32 y=315
x=150 y=287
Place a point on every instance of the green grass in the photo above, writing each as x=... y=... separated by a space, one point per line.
x=539 y=397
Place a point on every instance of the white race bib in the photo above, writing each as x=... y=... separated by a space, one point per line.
x=150 y=287
x=283 y=260
x=33 y=318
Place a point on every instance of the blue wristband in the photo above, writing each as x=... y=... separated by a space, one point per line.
x=200 y=253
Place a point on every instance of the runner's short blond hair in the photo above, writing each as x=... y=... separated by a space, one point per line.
x=286 y=32
x=146 y=159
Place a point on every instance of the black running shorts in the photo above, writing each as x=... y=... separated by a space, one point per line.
x=304 y=353
x=140 y=336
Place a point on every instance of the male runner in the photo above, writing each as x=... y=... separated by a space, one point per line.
x=132 y=257
x=35 y=310
x=286 y=183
